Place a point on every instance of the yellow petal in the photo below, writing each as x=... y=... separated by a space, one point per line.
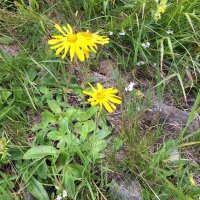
x=110 y=91
x=87 y=55
x=57 y=36
x=93 y=89
x=94 y=103
x=72 y=52
x=53 y=41
x=99 y=87
x=91 y=99
x=113 y=106
x=114 y=100
x=59 y=50
x=60 y=29
x=57 y=46
x=80 y=54
x=89 y=93
x=70 y=28
x=66 y=29
x=66 y=50
x=107 y=106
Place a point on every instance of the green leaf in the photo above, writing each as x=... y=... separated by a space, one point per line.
x=4 y=194
x=91 y=125
x=16 y=153
x=70 y=114
x=76 y=170
x=84 y=132
x=5 y=94
x=37 y=189
x=42 y=170
x=44 y=90
x=102 y=134
x=31 y=74
x=48 y=116
x=63 y=126
x=55 y=135
x=89 y=113
x=41 y=135
x=40 y=152
x=6 y=40
x=54 y=106
x=69 y=183
x=5 y=56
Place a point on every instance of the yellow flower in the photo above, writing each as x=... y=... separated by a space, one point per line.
x=92 y=39
x=80 y=44
x=68 y=41
x=103 y=97
x=161 y=8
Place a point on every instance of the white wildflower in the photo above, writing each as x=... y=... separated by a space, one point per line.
x=122 y=32
x=64 y=193
x=58 y=197
x=130 y=87
x=57 y=188
x=110 y=33
x=130 y=29
x=140 y=63
x=169 y=32
x=147 y=45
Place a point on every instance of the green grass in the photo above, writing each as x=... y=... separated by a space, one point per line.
x=34 y=89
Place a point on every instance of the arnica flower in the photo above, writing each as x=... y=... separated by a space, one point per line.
x=79 y=44
x=92 y=39
x=103 y=97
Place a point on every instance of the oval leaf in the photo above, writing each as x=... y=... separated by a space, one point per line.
x=54 y=106
x=37 y=189
x=40 y=152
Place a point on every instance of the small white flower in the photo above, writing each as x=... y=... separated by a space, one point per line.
x=144 y=45
x=154 y=64
x=130 y=87
x=147 y=45
x=64 y=193
x=130 y=29
x=122 y=32
x=169 y=32
x=57 y=188
x=140 y=63
x=110 y=33
x=58 y=197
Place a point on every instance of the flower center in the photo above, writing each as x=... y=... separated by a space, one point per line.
x=100 y=95
x=72 y=38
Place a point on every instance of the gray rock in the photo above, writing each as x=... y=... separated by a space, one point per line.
x=175 y=117
x=125 y=189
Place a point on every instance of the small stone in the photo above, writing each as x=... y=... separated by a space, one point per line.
x=125 y=189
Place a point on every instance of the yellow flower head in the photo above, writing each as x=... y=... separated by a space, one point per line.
x=161 y=8
x=68 y=41
x=92 y=39
x=79 y=44
x=103 y=97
